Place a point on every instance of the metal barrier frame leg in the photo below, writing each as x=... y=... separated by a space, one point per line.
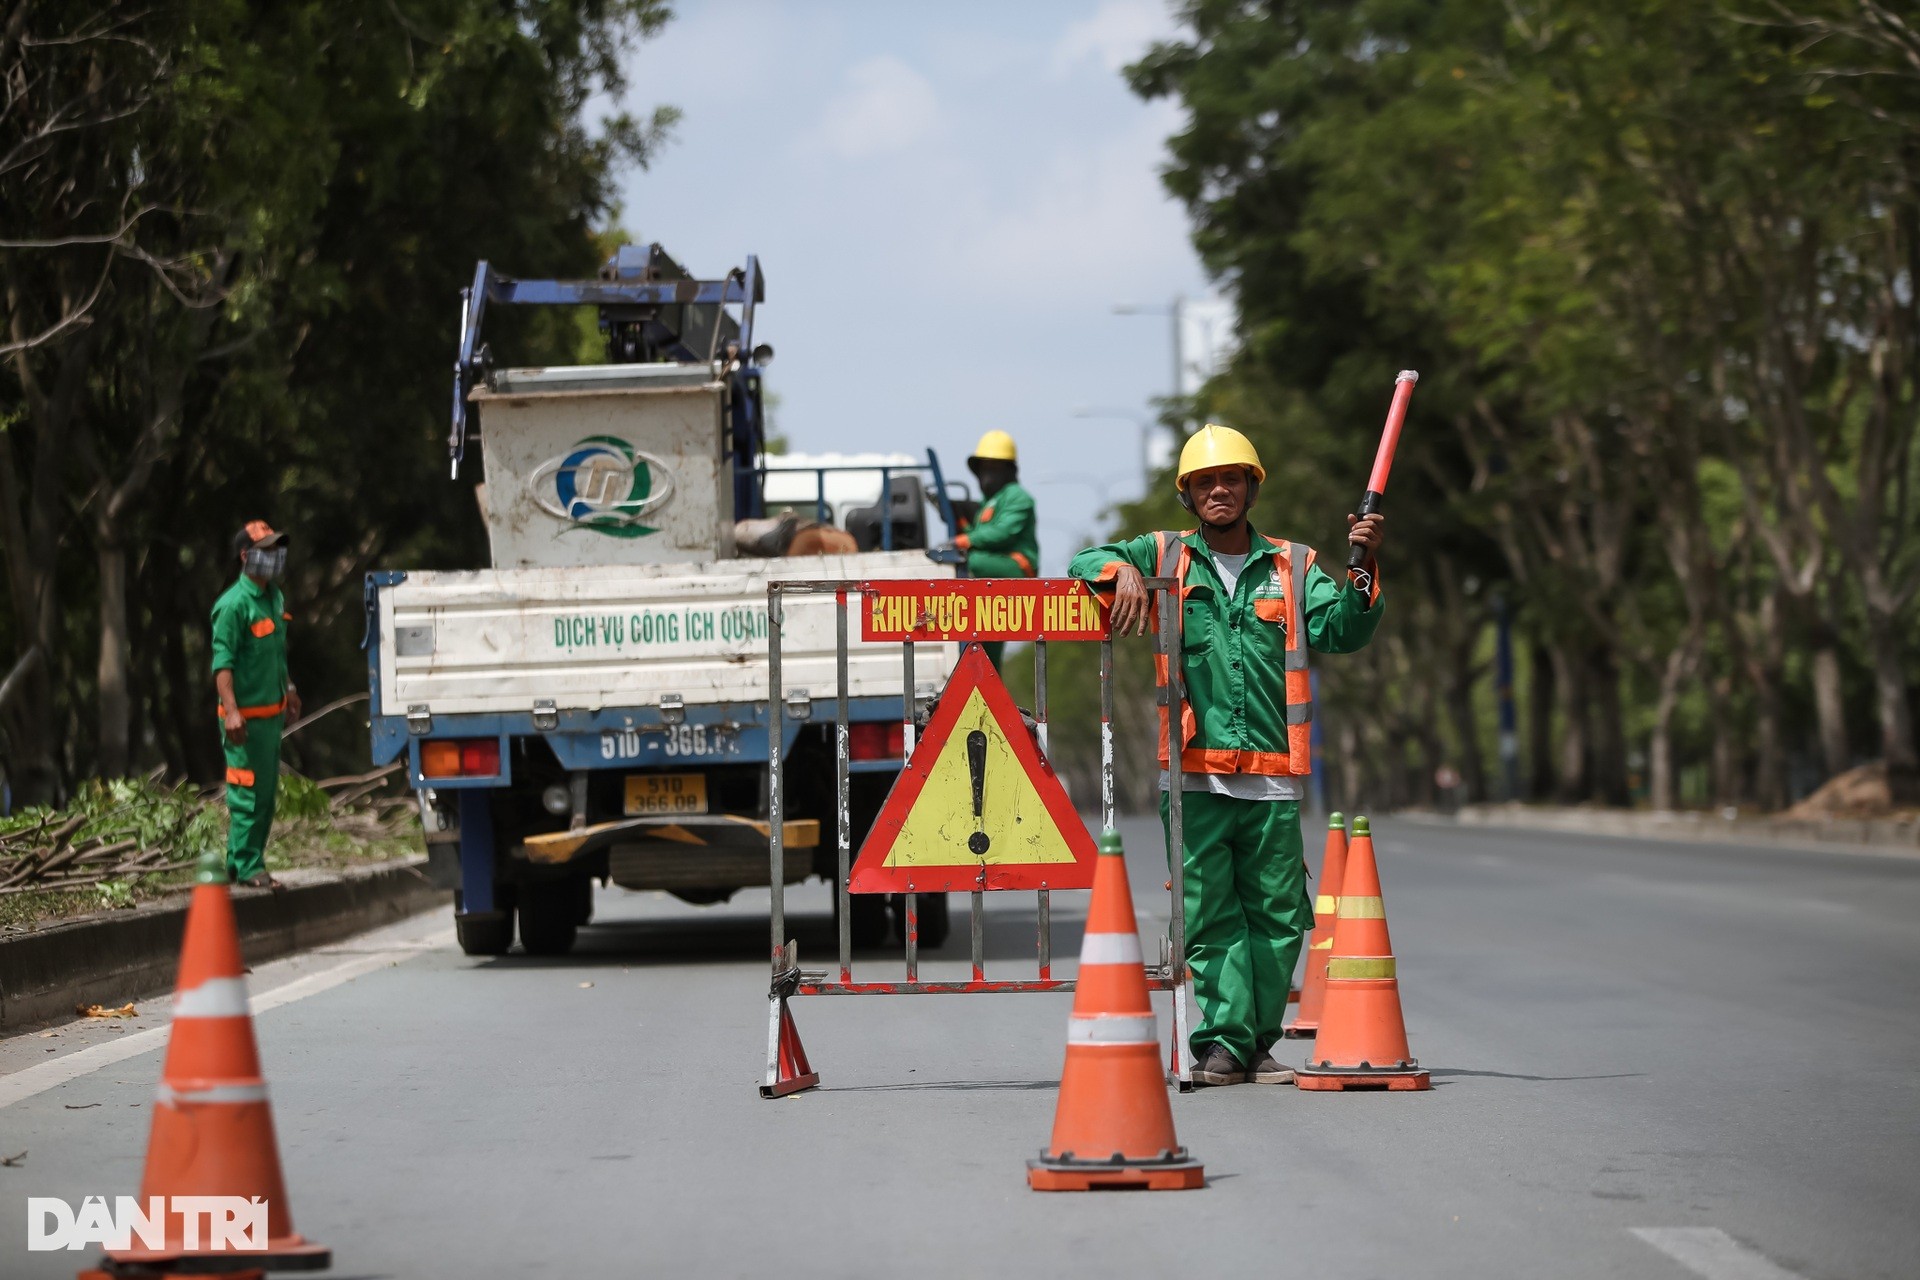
x=1179 y=976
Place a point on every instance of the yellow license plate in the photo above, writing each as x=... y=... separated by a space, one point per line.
x=668 y=793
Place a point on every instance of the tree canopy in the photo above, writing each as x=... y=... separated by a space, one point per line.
x=1655 y=261
x=232 y=237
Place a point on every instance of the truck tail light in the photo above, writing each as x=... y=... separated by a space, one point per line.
x=460 y=758
x=876 y=741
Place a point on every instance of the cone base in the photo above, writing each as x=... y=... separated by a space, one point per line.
x=287 y=1253
x=1047 y=1174
x=142 y=1273
x=1340 y=1079
x=792 y=1084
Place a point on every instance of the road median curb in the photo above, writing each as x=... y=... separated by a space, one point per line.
x=1886 y=838
x=111 y=959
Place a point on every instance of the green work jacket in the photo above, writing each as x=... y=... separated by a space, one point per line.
x=1233 y=648
x=250 y=639
x=1005 y=527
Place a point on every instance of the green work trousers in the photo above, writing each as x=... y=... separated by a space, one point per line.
x=994 y=564
x=1247 y=910
x=253 y=781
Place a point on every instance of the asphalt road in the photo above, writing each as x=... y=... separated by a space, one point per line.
x=1649 y=1060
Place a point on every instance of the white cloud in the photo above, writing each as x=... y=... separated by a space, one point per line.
x=884 y=106
x=1116 y=33
x=1096 y=222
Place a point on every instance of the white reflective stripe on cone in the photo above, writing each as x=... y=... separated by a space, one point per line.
x=1112 y=1028
x=169 y=1096
x=1110 y=948
x=214 y=998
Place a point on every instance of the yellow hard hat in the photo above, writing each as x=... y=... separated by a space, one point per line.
x=996 y=446
x=1217 y=446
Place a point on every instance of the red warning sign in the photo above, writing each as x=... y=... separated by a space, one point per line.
x=977 y=807
x=981 y=609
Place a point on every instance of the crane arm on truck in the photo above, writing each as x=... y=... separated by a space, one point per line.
x=651 y=309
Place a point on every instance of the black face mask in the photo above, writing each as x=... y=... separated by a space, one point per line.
x=993 y=477
x=265 y=563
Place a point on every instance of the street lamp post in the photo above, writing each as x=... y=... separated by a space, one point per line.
x=1176 y=311
x=1141 y=421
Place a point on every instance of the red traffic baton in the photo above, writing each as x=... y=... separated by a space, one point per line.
x=1382 y=464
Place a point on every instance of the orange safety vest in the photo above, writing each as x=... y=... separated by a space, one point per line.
x=1293 y=559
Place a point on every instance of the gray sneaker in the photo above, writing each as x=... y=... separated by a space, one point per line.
x=1269 y=1071
x=1217 y=1065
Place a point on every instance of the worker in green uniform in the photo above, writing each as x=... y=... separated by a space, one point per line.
x=257 y=699
x=1250 y=608
x=1003 y=541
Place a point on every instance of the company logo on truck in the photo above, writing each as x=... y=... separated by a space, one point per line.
x=603 y=484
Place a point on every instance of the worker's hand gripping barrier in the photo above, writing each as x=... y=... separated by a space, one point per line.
x=977 y=808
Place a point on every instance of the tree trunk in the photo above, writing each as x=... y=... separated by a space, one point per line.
x=1829 y=705
x=1466 y=732
x=1894 y=711
x=1769 y=755
x=1569 y=673
x=1539 y=724
x=1768 y=658
x=116 y=704
x=30 y=526
x=1662 y=771
x=1609 y=729
x=194 y=754
x=1348 y=794
x=1726 y=752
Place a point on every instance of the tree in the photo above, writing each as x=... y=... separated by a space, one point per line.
x=294 y=195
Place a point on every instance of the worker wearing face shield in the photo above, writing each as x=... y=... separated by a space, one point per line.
x=257 y=697
x=1002 y=541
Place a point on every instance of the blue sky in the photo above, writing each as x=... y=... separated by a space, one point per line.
x=947 y=200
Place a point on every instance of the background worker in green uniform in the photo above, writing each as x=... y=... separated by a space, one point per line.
x=1003 y=541
x=257 y=699
x=1251 y=607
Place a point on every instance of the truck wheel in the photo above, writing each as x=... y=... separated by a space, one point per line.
x=869 y=925
x=583 y=899
x=549 y=917
x=935 y=922
x=483 y=935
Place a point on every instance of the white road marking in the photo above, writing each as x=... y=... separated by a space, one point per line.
x=1711 y=1252
x=43 y=1076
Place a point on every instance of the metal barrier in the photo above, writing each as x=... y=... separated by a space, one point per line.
x=788 y=1069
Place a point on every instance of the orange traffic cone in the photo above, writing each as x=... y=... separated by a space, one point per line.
x=1313 y=983
x=212 y=1129
x=1362 y=1042
x=1113 y=1126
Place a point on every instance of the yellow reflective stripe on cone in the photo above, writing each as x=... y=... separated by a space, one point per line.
x=1362 y=909
x=1112 y=1028
x=1325 y=944
x=1352 y=968
x=1325 y=904
x=1110 y=948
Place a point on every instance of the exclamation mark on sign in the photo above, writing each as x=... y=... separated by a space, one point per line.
x=978 y=842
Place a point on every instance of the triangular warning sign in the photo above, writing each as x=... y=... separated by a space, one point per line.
x=976 y=807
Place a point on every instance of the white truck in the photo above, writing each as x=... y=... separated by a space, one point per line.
x=593 y=705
